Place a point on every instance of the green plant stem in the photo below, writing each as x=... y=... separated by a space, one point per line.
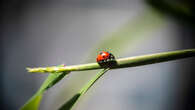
x=122 y=62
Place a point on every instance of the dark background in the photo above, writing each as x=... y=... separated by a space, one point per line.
x=48 y=32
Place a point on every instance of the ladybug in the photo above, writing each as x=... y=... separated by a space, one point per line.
x=106 y=59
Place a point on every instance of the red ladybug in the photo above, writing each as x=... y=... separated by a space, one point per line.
x=104 y=57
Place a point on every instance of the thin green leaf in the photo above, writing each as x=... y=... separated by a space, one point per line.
x=34 y=102
x=70 y=103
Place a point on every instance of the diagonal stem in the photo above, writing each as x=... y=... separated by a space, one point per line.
x=71 y=102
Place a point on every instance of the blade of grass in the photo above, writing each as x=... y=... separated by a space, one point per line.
x=52 y=79
x=70 y=103
x=124 y=62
